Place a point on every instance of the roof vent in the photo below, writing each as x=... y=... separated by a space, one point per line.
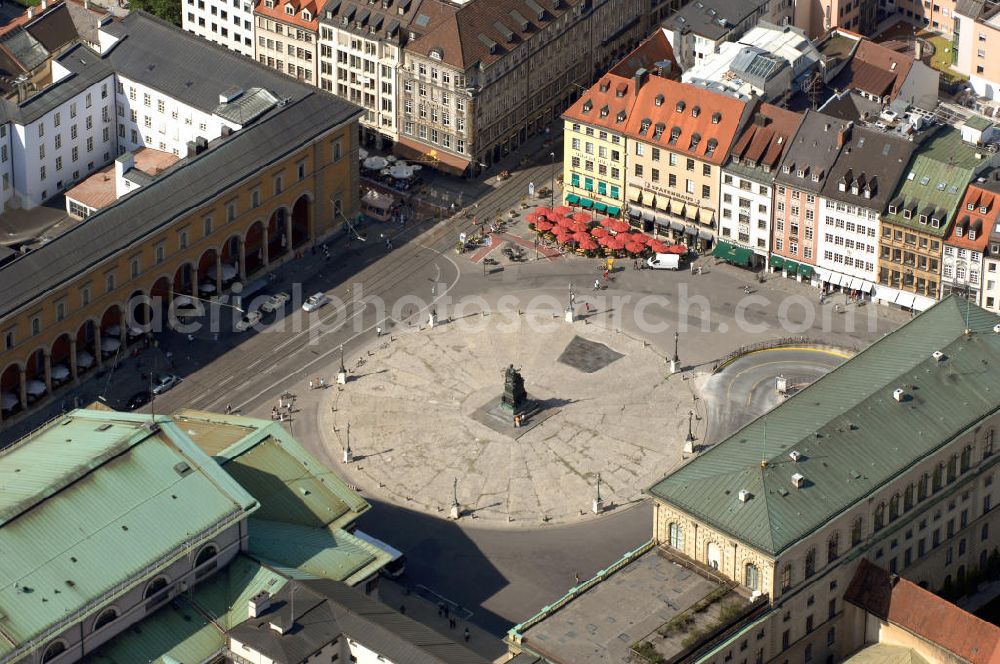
x=937 y=355
x=898 y=394
x=744 y=495
x=996 y=329
x=278 y=627
x=797 y=480
x=182 y=468
x=795 y=455
x=258 y=604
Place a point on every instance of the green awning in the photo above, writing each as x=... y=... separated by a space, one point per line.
x=777 y=261
x=806 y=270
x=600 y=207
x=586 y=203
x=572 y=199
x=732 y=253
x=614 y=211
x=791 y=267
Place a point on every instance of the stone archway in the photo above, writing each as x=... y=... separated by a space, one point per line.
x=62 y=360
x=301 y=221
x=277 y=234
x=138 y=315
x=253 y=247
x=111 y=332
x=232 y=260
x=208 y=277
x=713 y=555
x=184 y=280
x=87 y=352
x=10 y=391
x=36 y=375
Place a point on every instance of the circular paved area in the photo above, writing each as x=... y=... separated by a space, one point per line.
x=746 y=388
x=417 y=421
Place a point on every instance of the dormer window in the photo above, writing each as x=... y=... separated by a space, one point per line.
x=587 y=105
x=710 y=148
x=695 y=111
x=604 y=111
x=972 y=234
x=892 y=209
x=982 y=209
x=675 y=133
x=854 y=189
x=716 y=118
x=604 y=85
x=907 y=214
x=936 y=223
x=786 y=169
x=970 y=207
x=922 y=219
x=680 y=107
x=645 y=126
x=801 y=173
x=815 y=178
x=269 y=4
x=659 y=100
x=621 y=116
x=658 y=130
x=695 y=140
x=958 y=231
x=290 y=10
x=306 y=16
x=842 y=186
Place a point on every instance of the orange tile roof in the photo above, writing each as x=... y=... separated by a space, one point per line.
x=895 y=63
x=278 y=12
x=767 y=136
x=900 y=602
x=608 y=103
x=975 y=219
x=653 y=50
x=672 y=115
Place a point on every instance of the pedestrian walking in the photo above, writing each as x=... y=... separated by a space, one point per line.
x=229 y=408
x=310 y=385
x=451 y=623
x=378 y=331
x=577 y=577
x=440 y=609
x=467 y=635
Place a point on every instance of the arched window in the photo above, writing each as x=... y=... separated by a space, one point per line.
x=752 y=577
x=952 y=467
x=786 y=577
x=908 y=498
x=155 y=586
x=938 y=477
x=675 y=532
x=106 y=616
x=810 y=563
x=205 y=555
x=922 y=487
x=880 y=516
x=833 y=548
x=856 y=532
x=894 y=508
x=966 y=458
x=53 y=651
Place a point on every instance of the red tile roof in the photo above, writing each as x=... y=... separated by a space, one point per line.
x=876 y=69
x=900 y=602
x=686 y=119
x=278 y=12
x=975 y=219
x=767 y=136
x=608 y=103
x=649 y=55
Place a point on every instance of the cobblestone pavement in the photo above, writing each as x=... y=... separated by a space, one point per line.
x=413 y=429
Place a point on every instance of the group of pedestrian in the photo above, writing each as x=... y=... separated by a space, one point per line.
x=444 y=612
x=317 y=383
x=283 y=411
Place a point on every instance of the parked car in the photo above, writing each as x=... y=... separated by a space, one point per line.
x=138 y=400
x=275 y=302
x=315 y=302
x=249 y=319
x=164 y=383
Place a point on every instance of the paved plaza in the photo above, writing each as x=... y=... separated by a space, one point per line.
x=415 y=411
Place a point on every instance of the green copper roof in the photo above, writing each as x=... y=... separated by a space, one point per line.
x=853 y=436
x=122 y=488
x=325 y=553
x=224 y=597
x=934 y=182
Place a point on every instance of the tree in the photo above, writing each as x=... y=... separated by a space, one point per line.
x=168 y=10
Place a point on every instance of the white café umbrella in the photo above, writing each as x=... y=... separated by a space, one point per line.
x=375 y=163
x=401 y=172
x=228 y=272
x=113 y=331
x=206 y=287
x=8 y=401
x=182 y=301
x=84 y=360
x=110 y=344
x=60 y=372
x=34 y=387
x=391 y=158
x=362 y=154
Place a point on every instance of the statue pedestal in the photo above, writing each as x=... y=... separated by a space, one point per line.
x=348 y=456
x=455 y=512
x=598 y=506
x=675 y=366
x=570 y=317
x=431 y=320
x=341 y=378
x=688 y=447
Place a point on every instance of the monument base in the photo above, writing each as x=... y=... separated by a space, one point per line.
x=688 y=447
x=675 y=366
x=341 y=378
x=570 y=316
x=348 y=456
x=598 y=506
x=499 y=417
x=455 y=512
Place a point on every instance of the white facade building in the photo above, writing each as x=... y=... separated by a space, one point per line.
x=847 y=246
x=225 y=22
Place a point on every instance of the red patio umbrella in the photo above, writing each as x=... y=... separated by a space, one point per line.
x=543 y=210
x=606 y=221
x=580 y=236
x=599 y=232
x=579 y=227
x=563 y=209
x=588 y=244
x=615 y=243
x=618 y=226
x=543 y=226
x=677 y=249
x=582 y=216
x=658 y=247
x=532 y=217
x=635 y=247
x=565 y=222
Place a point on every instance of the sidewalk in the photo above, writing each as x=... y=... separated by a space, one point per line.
x=423 y=605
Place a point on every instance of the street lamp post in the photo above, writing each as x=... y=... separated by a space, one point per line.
x=348 y=455
x=456 y=508
x=552 y=189
x=598 y=505
x=342 y=372
x=569 y=305
x=689 y=440
x=675 y=362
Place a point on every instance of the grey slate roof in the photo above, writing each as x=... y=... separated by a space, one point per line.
x=325 y=610
x=712 y=19
x=186 y=67
x=54 y=29
x=813 y=150
x=873 y=159
x=86 y=67
x=248 y=106
x=29 y=51
x=853 y=436
x=175 y=192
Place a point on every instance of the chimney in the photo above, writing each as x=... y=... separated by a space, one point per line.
x=124 y=164
x=200 y=144
x=259 y=604
x=640 y=77
x=843 y=136
x=31 y=12
x=192 y=149
x=893 y=579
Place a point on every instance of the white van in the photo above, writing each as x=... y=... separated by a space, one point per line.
x=664 y=262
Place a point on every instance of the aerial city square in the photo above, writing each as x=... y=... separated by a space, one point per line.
x=499 y=331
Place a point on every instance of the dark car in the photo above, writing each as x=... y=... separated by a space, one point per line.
x=138 y=400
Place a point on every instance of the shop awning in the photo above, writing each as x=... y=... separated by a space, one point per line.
x=836 y=278
x=413 y=150
x=805 y=270
x=777 y=261
x=663 y=203
x=906 y=300
x=691 y=230
x=600 y=207
x=921 y=302
x=635 y=196
x=572 y=199
x=691 y=211
x=732 y=253
x=586 y=203
x=676 y=225
x=648 y=216
x=885 y=294
x=867 y=286
x=791 y=267
x=705 y=235
x=614 y=211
